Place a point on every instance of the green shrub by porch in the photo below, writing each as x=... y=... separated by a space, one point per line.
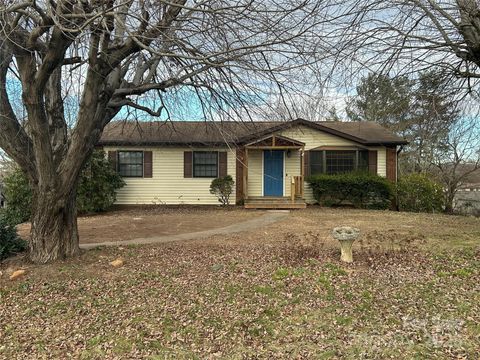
x=10 y=242
x=360 y=189
x=419 y=193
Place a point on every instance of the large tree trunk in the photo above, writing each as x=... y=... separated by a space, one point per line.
x=54 y=233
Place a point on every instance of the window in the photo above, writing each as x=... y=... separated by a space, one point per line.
x=338 y=161
x=130 y=163
x=362 y=160
x=316 y=162
x=205 y=164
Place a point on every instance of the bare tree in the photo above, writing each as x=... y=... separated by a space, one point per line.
x=402 y=37
x=79 y=62
x=408 y=37
x=457 y=158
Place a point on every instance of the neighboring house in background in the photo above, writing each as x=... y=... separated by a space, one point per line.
x=467 y=198
x=175 y=162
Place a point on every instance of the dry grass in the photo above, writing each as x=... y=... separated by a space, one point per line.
x=276 y=293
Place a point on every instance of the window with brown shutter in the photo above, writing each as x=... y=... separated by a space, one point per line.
x=130 y=163
x=306 y=163
x=187 y=164
x=205 y=164
x=222 y=164
x=147 y=164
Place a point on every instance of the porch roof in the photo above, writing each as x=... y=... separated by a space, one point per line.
x=275 y=141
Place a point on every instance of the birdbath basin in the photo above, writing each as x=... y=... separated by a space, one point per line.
x=346 y=235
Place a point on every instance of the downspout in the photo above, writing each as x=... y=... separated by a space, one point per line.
x=397 y=205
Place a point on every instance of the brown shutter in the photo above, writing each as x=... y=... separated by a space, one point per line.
x=222 y=164
x=372 y=161
x=147 y=164
x=392 y=164
x=187 y=164
x=240 y=158
x=306 y=163
x=112 y=157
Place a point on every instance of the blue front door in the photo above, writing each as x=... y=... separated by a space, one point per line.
x=273 y=172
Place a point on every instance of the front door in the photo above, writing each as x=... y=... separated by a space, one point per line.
x=273 y=173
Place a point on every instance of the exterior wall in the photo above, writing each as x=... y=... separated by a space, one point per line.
x=167 y=185
x=315 y=138
x=255 y=173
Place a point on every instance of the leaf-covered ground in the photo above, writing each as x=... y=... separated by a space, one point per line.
x=269 y=294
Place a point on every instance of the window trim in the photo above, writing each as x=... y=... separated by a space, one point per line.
x=119 y=163
x=205 y=176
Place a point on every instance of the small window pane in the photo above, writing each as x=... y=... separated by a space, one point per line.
x=130 y=163
x=340 y=161
x=205 y=164
x=363 y=160
x=316 y=162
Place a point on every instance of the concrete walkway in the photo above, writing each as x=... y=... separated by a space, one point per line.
x=269 y=218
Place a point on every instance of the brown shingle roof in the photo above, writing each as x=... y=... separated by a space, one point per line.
x=210 y=133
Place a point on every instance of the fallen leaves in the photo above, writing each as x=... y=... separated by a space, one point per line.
x=284 y=295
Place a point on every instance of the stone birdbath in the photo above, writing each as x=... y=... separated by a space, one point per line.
x=346 y=235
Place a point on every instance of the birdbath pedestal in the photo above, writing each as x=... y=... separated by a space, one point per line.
x=346 y=235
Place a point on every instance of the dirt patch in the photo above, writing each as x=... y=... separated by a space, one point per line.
x=129 y=223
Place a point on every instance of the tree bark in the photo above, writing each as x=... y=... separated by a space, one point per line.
x=54 y=233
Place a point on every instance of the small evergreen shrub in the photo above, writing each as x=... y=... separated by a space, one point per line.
x=10 y=243
x=222 y=187
x=18 y=196
x=419 y=193
x=98 y=184
x=360 y=189
x=95 y=192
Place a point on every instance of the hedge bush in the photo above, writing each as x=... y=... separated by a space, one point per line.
x=10 y=243
x=360 y=189
x=419 y=193
x=95 y=192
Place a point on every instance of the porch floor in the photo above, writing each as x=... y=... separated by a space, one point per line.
x=273 y=202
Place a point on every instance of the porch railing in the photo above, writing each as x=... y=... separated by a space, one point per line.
x=296 y=188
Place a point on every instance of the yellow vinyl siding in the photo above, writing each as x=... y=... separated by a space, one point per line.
x=255 y=173
x=315 y=138
x=167 y=185
x=292 y=168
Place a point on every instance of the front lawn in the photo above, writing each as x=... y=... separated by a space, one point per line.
x=276 y=293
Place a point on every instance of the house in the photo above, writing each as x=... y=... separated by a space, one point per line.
x=174 y=162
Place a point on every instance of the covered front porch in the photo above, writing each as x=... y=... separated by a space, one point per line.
x=272 y=170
